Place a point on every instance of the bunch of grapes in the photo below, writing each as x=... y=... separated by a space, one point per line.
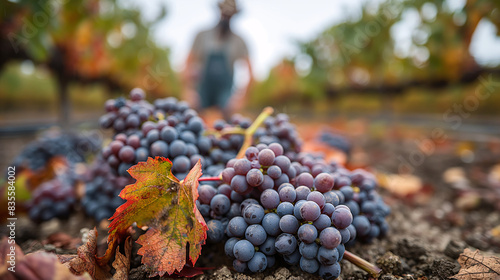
x=301 y=225
x=127 y=115
x=263 y=167
x=73 y=147
x=102 y=188
x=54 y=199
x=178 y=134
x=217 y=205
x=279 y=130
x=357 y=190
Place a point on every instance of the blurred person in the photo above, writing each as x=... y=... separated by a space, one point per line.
x=208 y=74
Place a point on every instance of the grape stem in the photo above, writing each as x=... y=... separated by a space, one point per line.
x=249 y=132
x=363 y=264
x=206 y=179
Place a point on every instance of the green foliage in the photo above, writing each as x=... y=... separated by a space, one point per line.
x=362 y=52
x=90 y=40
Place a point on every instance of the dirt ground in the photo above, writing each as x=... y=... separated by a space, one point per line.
x=429 y=228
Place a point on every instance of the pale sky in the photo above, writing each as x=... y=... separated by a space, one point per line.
x=271 y=27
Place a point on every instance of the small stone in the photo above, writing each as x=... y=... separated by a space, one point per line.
x=390 y=263
x=454 y=249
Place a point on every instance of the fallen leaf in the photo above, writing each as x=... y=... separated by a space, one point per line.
x=122 y=262
x=176 y=230
x=401 y=185
x=35 y=266
x=476 y=266
x=86 y=260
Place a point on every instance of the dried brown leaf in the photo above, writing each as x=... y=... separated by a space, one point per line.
x=475 y=266
x=122 y=262
x=86 y=261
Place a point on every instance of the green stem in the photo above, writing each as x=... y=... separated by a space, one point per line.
x=249 y=132
x=363 y=264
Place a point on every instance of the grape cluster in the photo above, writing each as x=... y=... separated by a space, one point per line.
x=124 y=115
x=262 y=168
x=174 y=131
x=357 y=190
x=298 y=224
x=279 y=130
x=55 y=198
x=73 y=147
x=217 y=205
x=102 y=188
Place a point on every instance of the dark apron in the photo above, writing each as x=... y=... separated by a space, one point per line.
x=216 y=81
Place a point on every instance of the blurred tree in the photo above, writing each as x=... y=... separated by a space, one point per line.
x=94 y=41
x=362 y=54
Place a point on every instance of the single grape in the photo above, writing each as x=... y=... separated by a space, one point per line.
x=324 y=182
x=328 y=272
x=308 y=250
x=285 y=244
x=256 y=234
x=239 y=184
x=220 y=204
x=327 y=256
x=310 y=211
x=289 y=224
x=270 y=223
x=276 y=148
x=317 y=197
x=229 y=246
x=215 y=232
x=302 y=192
x=177 y=148
x=307 y=233
x=266 y=157
x=270 y=199
x=330 y=237
x=293 y=258
x=127 y=154
x=287 y=194
x=159 y=149
x=268 y=246
x=253 y=214
x=206 y=193
x=274 y=171
x=252 y=153
x=322 y=222
x=254 y=177
x=258 y=263
x=243 y=250
x=237 y=226
x=309 y=265
x=242 y=166
x=342 y=218
x=285 y=208
x=240 y=266
x=305 y=179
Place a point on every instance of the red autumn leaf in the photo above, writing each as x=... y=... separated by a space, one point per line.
x=158 y=200
x=86 y=260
